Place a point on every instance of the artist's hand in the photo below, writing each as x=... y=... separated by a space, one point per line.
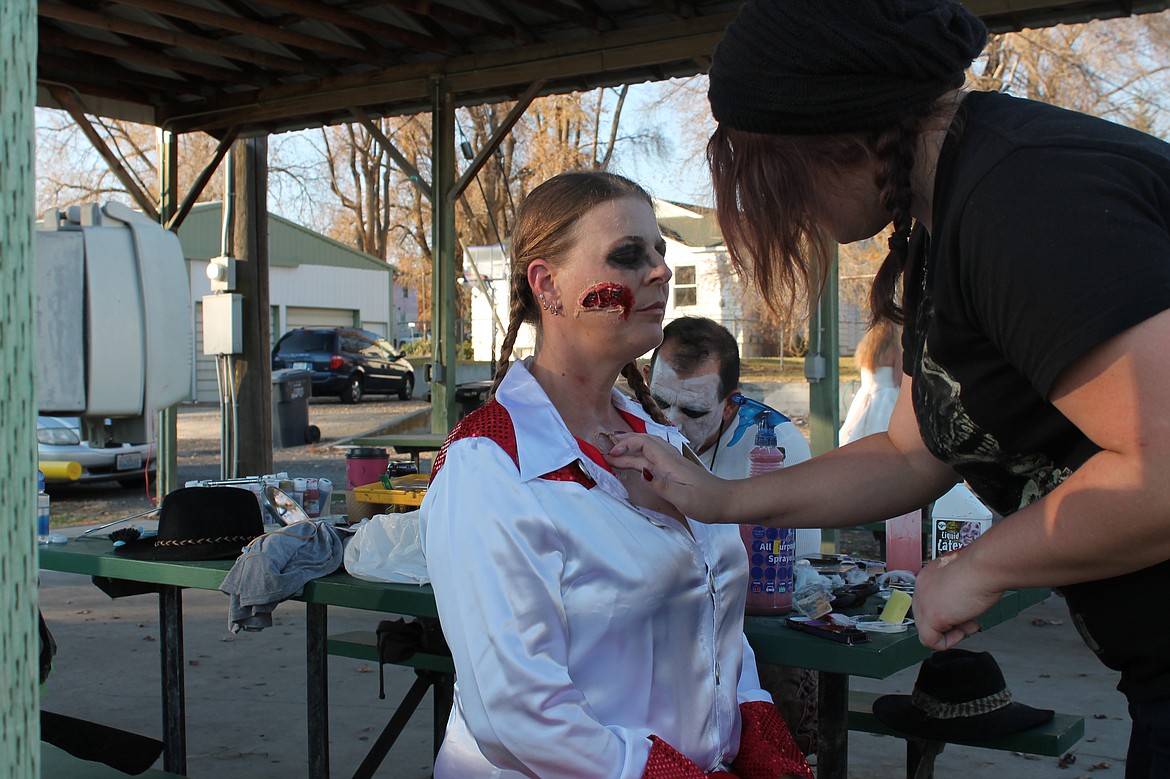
x=691 y=488
x=948 y=597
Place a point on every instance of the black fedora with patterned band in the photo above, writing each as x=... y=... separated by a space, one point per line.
x=201 y=523
x=959 y=696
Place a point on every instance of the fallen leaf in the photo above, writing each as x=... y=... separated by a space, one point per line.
x=1100 y=767
x=1066 y=760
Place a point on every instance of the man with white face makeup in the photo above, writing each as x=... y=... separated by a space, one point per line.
x=692 y=376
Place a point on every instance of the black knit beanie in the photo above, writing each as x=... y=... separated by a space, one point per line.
x=805 y=67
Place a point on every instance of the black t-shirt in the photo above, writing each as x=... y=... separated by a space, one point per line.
x=1051 y=235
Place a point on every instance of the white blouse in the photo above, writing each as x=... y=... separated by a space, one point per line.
x=579 y=624
x=872 y=406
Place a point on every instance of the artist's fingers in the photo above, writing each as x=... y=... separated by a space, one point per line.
x=626 y=443
x=945 y=639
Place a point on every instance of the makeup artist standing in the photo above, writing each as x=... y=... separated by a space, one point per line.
x=1030 y=262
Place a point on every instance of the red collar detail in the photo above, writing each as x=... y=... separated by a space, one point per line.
x=492 y=421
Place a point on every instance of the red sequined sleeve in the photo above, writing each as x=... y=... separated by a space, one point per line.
x=666 y=762
x=766 y=748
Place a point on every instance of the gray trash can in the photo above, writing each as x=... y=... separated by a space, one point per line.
x=470 y=396
x=291 y=389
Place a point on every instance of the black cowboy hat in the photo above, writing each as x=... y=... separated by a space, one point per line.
x=200 y=523
x=958 y=696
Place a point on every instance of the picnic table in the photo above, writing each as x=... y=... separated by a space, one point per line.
x=878 y=658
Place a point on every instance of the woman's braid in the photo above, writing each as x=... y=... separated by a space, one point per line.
x=637 y=383
x=894 y=149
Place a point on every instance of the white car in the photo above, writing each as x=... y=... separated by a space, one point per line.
x=59 y=439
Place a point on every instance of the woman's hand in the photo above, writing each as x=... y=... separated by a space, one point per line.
x=694 y=490
x=948 y=597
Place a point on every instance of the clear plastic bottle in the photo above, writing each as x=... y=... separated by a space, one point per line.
x=771 y=551
x=42 y=510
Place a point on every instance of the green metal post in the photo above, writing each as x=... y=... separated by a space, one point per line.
x=824 y=378
x=19 y=644
x=443 y=298
x=168 y=418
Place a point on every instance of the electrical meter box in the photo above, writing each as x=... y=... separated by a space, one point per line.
x=113 y=314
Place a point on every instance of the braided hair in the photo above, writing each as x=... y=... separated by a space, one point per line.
x=893 y=148
x=543 y=229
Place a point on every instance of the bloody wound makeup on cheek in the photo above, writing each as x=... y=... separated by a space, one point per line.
x=607 y=297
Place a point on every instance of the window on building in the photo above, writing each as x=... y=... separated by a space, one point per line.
x=685 y=291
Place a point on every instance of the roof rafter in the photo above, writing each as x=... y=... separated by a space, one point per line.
x=66 y=13
x=237 y=24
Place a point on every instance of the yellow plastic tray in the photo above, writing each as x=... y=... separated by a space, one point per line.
x=412 y=491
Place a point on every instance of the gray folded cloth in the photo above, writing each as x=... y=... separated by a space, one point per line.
x=275 y=567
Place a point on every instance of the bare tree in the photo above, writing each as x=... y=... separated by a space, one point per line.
x=70 y=171
x=383 y=212
x=1114 y=69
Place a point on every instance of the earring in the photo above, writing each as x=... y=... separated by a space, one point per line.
x=543 y=302
x=556 y=309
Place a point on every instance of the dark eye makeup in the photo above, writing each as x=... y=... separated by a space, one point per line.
x=633 y=254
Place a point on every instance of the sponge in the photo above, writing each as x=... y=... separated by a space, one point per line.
x=896 y=607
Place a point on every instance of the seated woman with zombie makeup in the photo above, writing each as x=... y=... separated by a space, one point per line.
x=596 y=631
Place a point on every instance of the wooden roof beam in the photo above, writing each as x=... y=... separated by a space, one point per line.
x=399 y=158
x=364 y=41
x=455 y=16
x=201 y=181
x=523 y=32
x=137 y=54
x=237 y=24
x=326 y=13
x=679 y=8
x=105 y=88
x=498 y=136
x=72 y=61
x=66 y=100
x=65 y=13
x=508 y=71
x=578 y=16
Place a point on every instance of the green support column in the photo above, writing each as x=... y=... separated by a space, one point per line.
x=19 y=641
x=824 y=378
x=168 y=420
x=443 y=299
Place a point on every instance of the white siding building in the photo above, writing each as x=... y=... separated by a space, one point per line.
x=703 y=283
x=313 y=281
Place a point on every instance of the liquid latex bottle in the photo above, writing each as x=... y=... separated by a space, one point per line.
x=771 y=551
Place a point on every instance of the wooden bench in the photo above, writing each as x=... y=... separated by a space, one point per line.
x=1054 y=738
x=56 y=763
x=433 y=671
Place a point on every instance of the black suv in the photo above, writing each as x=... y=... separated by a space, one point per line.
x=346 y=362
